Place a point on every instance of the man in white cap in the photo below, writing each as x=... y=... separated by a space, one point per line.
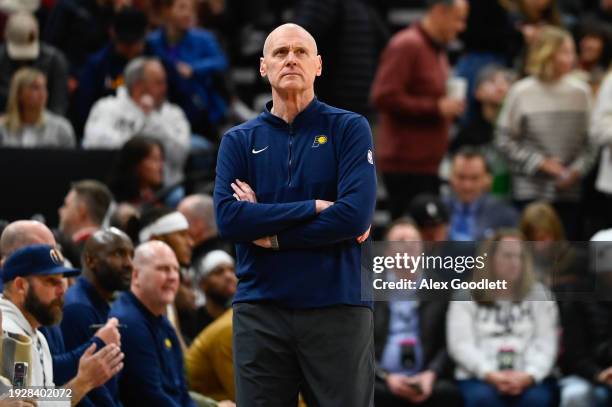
x=23 y=48
x=215 y=277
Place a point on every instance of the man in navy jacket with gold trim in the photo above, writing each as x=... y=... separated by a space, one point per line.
x=296 y=190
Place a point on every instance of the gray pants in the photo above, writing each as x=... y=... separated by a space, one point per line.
x=327 y=354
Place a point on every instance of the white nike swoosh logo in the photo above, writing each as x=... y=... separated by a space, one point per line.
x=259 y=151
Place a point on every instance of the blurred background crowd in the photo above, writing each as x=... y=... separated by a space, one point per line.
x=492 y=121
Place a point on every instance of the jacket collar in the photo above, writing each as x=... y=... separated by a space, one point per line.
x=303 y=117
x=437 y=46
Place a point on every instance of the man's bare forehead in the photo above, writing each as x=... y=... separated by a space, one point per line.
x=292 y=45
x=290 y=36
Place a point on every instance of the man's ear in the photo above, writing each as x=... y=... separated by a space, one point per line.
x=20 y=285
x=262 y=67
x=82 y=210
x=320 y=65
x=89 y=261
x=135 y=274
x=488 y=182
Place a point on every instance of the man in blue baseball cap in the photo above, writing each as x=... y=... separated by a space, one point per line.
x=33 y=297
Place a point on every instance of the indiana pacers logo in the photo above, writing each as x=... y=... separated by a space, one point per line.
x=56 y=257
x=319 y=140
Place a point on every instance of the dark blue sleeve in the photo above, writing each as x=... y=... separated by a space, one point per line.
x=352 y=212
x=65 y=364
x=75 y=329
x=76 y=320
x=211 y=57
x=141 y=378
x=241 y=221
x=102 y=397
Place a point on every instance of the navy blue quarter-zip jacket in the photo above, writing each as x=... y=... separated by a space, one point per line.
x=325 y=153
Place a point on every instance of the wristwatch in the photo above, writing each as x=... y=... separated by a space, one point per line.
x=274 y=242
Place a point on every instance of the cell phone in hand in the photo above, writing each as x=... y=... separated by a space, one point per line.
x=19 y=374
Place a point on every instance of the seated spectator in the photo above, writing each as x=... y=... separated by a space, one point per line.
x=557 y=264
x=195 y=64
x=82 y=214
x=27 y=122
x=103 y=73
x=490 y=39
x=431 y=217
x=593 y=56
x=137 y=174
x=24 y=233
x=172 y=228
x=209 y=360
x=543 y=130
x=153 y=374
x=23 y=48
x=474 y=213
x=141 y=108
x=107 y=268
x=215 y=278
x=200 y=212
x=125 y=218
x=33 y=297
x=410 y=345
x=504 y=342
x=491 y=86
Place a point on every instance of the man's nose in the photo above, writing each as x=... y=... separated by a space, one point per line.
x=291 y=59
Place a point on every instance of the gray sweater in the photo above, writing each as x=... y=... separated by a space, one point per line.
x=538 y=121
x=55 y=131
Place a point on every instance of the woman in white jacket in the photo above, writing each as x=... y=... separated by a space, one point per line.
x=504 y=342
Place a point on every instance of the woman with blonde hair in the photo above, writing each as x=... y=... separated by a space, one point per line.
x=557 y=264
x=27 y=122
x=543 y=129
x=504 y=343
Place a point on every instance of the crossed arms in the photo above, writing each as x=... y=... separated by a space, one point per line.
x=302 y=224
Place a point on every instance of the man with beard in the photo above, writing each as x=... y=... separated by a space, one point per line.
x=33 y=297
x=107 y=268
x=216 y=277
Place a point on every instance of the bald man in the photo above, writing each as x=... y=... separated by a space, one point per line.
x=107 y=269
x=153 y=374
x=296 y=190
x=200 y=213
x=23 y=233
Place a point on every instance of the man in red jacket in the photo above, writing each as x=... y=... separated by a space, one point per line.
x=409 y=92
